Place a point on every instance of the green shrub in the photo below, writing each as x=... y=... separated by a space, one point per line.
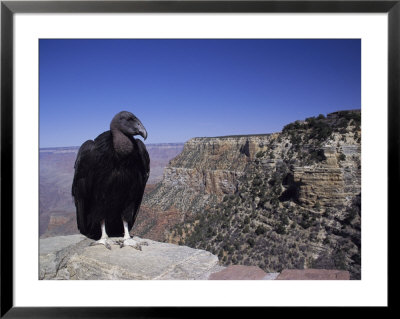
x=292 y=126
x=295 y=139
x=257 y=182
x=342 y=123
x=280 y=229
x=251 y=242
x=317 y=155
x=351 y=214
x=260 y=230
x=259 y=154
x=339 y=258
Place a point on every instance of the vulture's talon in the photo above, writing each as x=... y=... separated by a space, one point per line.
x=104 y=241
x=132 y=243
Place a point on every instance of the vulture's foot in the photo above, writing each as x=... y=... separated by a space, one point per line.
x=103 y=241
x=132 y=243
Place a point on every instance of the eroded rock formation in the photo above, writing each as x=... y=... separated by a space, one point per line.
x=282 y=200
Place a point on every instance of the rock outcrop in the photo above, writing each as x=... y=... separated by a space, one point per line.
x=336 y=179
x=283 y=200
x=324 y=185
x=73 y=258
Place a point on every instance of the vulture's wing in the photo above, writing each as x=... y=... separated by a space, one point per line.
x=144 y=155
x=82 y=184
x=139 y=185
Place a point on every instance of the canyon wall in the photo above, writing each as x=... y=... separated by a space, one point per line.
x=205 y=171
x=283 y=200
x=210 y=168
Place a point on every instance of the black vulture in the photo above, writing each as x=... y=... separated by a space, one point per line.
x=110 y=176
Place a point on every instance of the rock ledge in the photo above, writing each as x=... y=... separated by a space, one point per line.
x=72 y=258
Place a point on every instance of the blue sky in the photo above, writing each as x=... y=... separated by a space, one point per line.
x=181 y=89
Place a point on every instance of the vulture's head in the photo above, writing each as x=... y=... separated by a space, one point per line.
x=128 y=124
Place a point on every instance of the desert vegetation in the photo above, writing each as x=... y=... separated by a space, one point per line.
x=263 y=223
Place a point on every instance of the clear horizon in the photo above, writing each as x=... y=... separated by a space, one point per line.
x=182 y=89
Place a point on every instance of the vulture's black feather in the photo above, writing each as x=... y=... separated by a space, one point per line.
x=110 y=177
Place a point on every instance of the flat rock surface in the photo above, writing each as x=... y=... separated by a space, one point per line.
x=74 y=258
x=239 y=272
x=55 y=244
x=271 y=276
x=313 y=274
x=53 y=251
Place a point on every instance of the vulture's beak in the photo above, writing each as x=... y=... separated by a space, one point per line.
x=142 y=130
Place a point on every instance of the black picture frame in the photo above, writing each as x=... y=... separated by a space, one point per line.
x=9 y=8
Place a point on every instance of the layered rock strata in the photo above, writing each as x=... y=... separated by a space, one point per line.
x=205 y=171
x=288 y=199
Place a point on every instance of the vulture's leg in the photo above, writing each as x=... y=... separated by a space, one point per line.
x=128 y=241
x=126 y=230
x=104 y=237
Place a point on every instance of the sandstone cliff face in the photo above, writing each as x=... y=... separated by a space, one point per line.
x=282 y=200
x=210 y=168
x=205 y=171
x=198 y=178
x=320 y=184
x=337 y=179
